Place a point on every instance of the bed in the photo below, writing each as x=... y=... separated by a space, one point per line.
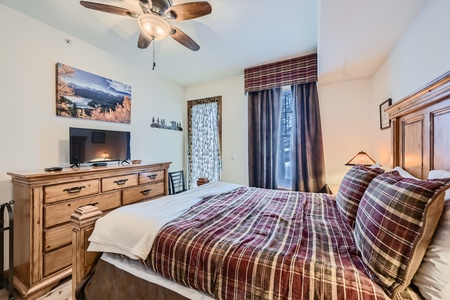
x=375 y=239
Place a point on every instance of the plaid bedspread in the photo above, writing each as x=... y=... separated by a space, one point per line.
x=255 y=243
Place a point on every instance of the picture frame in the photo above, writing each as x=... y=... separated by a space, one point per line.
x=385 y=122
x=98 y=137
x=80 y=94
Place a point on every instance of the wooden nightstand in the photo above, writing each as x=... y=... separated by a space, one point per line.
x=202 y=180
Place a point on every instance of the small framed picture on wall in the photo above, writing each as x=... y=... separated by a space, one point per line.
x=385 y=122
x=98 y=137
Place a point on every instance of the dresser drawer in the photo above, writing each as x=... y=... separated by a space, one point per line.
x=142 y=192
x=153 y=176
x=57 y=237
x=60 y=213
x=57 y=260
x=64 y=191
x=119 y=182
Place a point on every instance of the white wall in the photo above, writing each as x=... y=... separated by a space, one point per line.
x=33 y=137
x=419 y=57
x=234 y=124
x=346 y=124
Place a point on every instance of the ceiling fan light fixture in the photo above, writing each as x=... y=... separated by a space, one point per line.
x=154 y=26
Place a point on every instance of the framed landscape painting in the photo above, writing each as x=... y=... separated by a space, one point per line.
x=80 y=94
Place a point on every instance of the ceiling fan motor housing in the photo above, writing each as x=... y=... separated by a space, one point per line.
x=160 y=6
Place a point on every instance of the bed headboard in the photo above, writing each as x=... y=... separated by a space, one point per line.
x=420 y=127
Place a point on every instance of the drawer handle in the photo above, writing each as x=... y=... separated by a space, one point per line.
x=120 y=182
x=153 y=176
x=92 y=204
x=146 y=192
x=74 y=190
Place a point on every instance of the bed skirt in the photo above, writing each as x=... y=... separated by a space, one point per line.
x=112 y=283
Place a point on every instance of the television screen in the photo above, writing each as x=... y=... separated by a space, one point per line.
x=98 y=146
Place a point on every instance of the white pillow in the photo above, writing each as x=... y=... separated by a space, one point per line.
x=404 y=173
x=433 y=276
x=375 y=165
x=436 y=174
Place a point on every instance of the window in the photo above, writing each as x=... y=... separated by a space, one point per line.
x=204 y=140
x=284 y=161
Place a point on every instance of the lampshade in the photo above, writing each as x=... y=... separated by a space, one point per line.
x=153 y=26
x=362 y=158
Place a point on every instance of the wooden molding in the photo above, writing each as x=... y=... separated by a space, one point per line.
x=435 y=91
x=414 y=145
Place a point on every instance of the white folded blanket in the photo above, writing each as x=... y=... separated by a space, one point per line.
x=131 y=229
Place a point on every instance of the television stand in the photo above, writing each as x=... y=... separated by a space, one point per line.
x=75 y=165
x=43 y=204
x=124 y=162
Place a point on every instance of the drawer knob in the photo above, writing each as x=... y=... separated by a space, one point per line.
x=120 y=182
x=153 y=176
x=146 y=192
x=74 y=190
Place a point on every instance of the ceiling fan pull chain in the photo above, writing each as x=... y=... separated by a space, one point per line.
x=154 y=54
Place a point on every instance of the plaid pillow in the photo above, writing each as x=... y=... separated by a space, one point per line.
x=396 y=219
x=352 y=188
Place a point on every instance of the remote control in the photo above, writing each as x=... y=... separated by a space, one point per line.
x=53 y=169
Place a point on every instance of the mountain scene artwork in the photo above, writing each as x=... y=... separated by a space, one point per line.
x=81 y=94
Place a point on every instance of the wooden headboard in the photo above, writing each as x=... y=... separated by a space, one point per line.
x=420 y=125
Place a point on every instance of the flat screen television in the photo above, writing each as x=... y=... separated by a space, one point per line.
x=98 y=146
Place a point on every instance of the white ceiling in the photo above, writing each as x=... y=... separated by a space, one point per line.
x=352 y=37
x=357 y=35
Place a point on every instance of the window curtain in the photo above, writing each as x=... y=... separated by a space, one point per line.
x=307 y=160
x=204 y=143
x=287 y=72
x=264 y=112
x=263 y=85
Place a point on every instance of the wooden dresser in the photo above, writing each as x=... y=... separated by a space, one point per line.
x=44 y=202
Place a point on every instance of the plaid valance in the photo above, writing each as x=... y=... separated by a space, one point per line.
x=292 y=71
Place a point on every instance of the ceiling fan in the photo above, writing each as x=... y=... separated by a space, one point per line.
x=153 y=22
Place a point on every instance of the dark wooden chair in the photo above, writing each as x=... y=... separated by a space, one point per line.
x=176 y=182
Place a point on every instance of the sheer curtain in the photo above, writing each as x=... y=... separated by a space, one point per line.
x=264 y=113
x=204 y=143
x=307 y=160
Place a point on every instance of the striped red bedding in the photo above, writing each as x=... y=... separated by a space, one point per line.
x=255 y=243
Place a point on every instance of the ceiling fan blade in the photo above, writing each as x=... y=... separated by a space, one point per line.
x=143 y=41
x=110 y=9
x=187 y=11
x=183 y=39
